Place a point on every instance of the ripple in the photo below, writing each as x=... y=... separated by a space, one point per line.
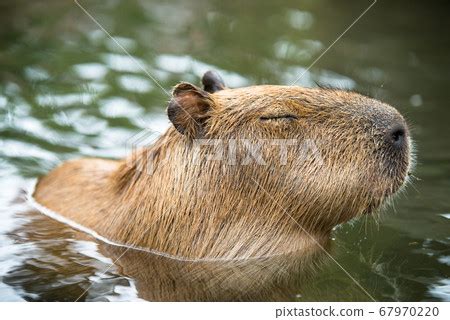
x=116 y=107
x=303 y=51
x=64 y=100
x=336 y=80
x=300 y=75
x=9 y=294
x=135 y=83
x=441 y=290
x=300 y=20
x=3 y=101
x=36 y=74
x=82 y=123
x=19 y=149
x=12 y=254
x=187 y=64
x=124 y=293
x=444 y=260
x=125 y=43
x=123 y=63
x=89 y=125
x=35 y=128
x=154 y=122
x=446 y=215
x=173 y=63
x=90 y=249
x=90 y=70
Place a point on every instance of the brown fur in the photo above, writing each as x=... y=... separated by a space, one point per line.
x=195 y=208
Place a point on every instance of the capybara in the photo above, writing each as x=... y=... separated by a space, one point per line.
x=241 y=173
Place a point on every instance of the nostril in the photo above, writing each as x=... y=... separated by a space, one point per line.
x=397 y=135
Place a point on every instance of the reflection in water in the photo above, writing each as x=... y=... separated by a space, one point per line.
x=67 y=91
x=60 y=258
x=162 y=279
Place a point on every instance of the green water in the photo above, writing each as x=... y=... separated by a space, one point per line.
x=67 y=90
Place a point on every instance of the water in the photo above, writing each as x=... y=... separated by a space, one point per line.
x=67 y=91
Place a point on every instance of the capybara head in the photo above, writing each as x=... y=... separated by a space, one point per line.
x=321 y=155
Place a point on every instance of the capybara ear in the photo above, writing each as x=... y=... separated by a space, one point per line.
x=212 y=82
x=188 y=109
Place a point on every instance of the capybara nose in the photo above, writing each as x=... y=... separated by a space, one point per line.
x=397 y=135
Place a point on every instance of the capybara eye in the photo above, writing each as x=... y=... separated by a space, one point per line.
x=289 y=117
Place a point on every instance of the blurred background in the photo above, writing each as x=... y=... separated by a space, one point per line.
x=67 y=90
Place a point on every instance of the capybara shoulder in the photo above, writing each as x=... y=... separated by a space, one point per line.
x=76 y=187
